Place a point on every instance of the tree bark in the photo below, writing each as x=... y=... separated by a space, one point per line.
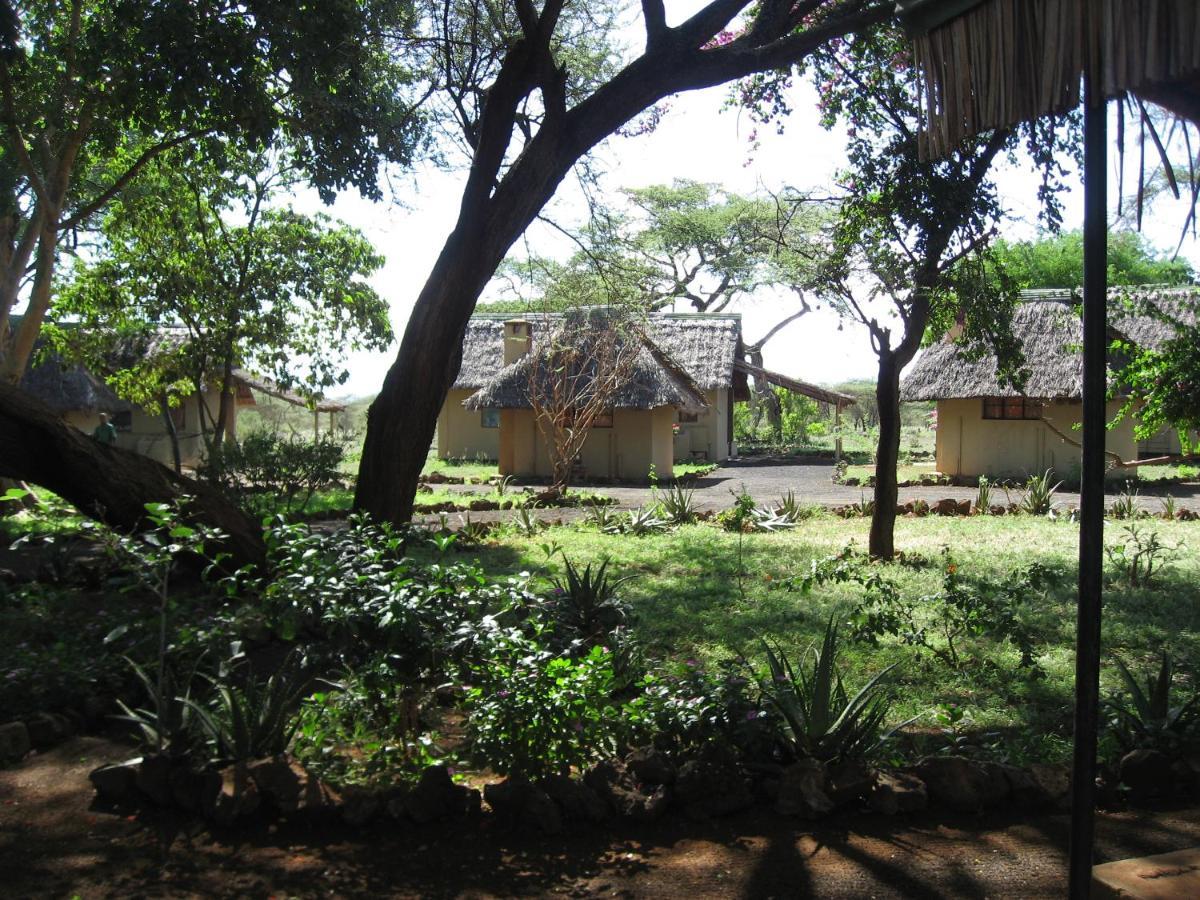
x=17 y=356
x=110 y=484
x=887 y=457
x=172 y=434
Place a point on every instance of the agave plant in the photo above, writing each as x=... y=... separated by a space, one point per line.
x=586 y=602
x=983 y=497
x=256 y=718
x=1168 y=508
x=644 y=520
x=791 y=509
x=1145 y=716
x=526 y=522
x=1038 y=499
x=1125 y=506
x=166 y=725
x=762 y=519
x=819 y=717
x=677 y=505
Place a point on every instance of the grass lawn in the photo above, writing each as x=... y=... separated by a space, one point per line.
x=462 y=468
x=690 y=601
x=905 y=472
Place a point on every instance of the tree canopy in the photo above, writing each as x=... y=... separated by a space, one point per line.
x=200 y=256
x=1056 y=261
x=93 y=90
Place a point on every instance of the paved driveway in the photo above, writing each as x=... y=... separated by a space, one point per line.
x=812 y=482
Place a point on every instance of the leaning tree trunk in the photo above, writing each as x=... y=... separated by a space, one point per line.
x=109 y=483
x=887 y=457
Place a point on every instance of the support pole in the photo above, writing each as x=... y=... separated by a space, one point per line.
x=837 y=430
x=1091 y=490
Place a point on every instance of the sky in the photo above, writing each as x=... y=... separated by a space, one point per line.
x=697 y=139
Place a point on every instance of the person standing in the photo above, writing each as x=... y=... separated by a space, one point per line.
x=105 y=432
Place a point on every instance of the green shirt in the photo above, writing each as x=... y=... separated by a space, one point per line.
x=105 y=433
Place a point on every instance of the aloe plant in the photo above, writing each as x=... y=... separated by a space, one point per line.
x=677 y=505
x=1145 y=716
x=586 y=601
x=820 y=718
x=256 y=718
x=1038 y=499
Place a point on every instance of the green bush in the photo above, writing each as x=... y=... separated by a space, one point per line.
x=536 y=713
x=268 y=474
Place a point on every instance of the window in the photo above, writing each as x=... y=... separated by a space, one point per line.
x=603 y=420
x=122 y=421
x=489 y=418
x=1011 y=408
x=686 y=418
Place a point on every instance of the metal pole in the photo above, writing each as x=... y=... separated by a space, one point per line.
x=1091 y=489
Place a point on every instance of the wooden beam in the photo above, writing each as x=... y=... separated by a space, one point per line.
x=824 y=395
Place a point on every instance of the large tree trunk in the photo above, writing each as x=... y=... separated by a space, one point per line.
x=108 y=483
x=17 y=356
x=887 y=457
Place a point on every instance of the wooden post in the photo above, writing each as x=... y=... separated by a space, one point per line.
x=837 y=432
x=1091 y=489
x=316 y=424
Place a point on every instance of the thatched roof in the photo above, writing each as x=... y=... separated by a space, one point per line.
x=986 y=64
x=655 y=377
x=68 y=388
x=703 y=346
x=1051 y=336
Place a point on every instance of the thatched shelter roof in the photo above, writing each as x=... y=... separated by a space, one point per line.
x=986 y=64
x=703 y=346
x=1051 y=335
x=65 y=388
x=655 y=378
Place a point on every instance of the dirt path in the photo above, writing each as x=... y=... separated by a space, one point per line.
x=53 y=844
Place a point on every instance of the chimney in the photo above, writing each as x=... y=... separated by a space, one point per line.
x=518 y=334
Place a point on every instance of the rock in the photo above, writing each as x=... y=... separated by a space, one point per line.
x=803 y=790
x=14 y=741
x=650 y=766
x=848 y=782
x=1024 y=789
x=1146 y=772
x=483 y=505
x=998 y=510
x=289 y=787
x=395 y=803
x=233 y=796
x=946 y=507
x=897 y=792
x=116 y=783
x=449 y=694
x=47 y=730
x=963 y=785
x=1187 y=515
x=189 y=787
x=435 y=478
x=619 y=790
x=576 y=800
x=516 y=800
x=1054 y=781
x=96 y=709
x=360 y=806
x=436 y=797
x=709 y=789
x=964 y=507
x=154 y=779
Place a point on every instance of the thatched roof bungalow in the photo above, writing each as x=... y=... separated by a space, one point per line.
x=675 y=402
x=985 y=426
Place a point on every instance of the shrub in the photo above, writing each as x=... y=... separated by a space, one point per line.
x=536 y=713
x=1140 y=555
x=1038 y=499
x=268 y=474
x=586 y=606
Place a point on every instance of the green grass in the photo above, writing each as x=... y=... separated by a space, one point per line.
x=1161 y=473
x=690 y=601
x=462 y=468
x=686 y=467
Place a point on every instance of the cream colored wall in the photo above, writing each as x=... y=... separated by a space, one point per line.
x=969 y=445
x=709 y=434
x=148 y=432
x=623 y=452
x=460 y=434
x=1164 y=443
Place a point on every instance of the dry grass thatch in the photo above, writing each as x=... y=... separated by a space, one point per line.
x=1001 y=62
x=652 y=378
x=702 y=346
x=1051 y=336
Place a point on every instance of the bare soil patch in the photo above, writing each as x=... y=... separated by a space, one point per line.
x=55 y=842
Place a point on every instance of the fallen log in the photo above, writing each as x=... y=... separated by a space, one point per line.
x=110 y=484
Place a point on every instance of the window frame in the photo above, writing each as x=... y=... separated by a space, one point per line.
x=1011 y=409
x=489 y=415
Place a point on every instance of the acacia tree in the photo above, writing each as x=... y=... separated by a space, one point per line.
x=908 y=255
x=91 y=91
x=527 y=117
x=238 y=282
x=573 y=378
